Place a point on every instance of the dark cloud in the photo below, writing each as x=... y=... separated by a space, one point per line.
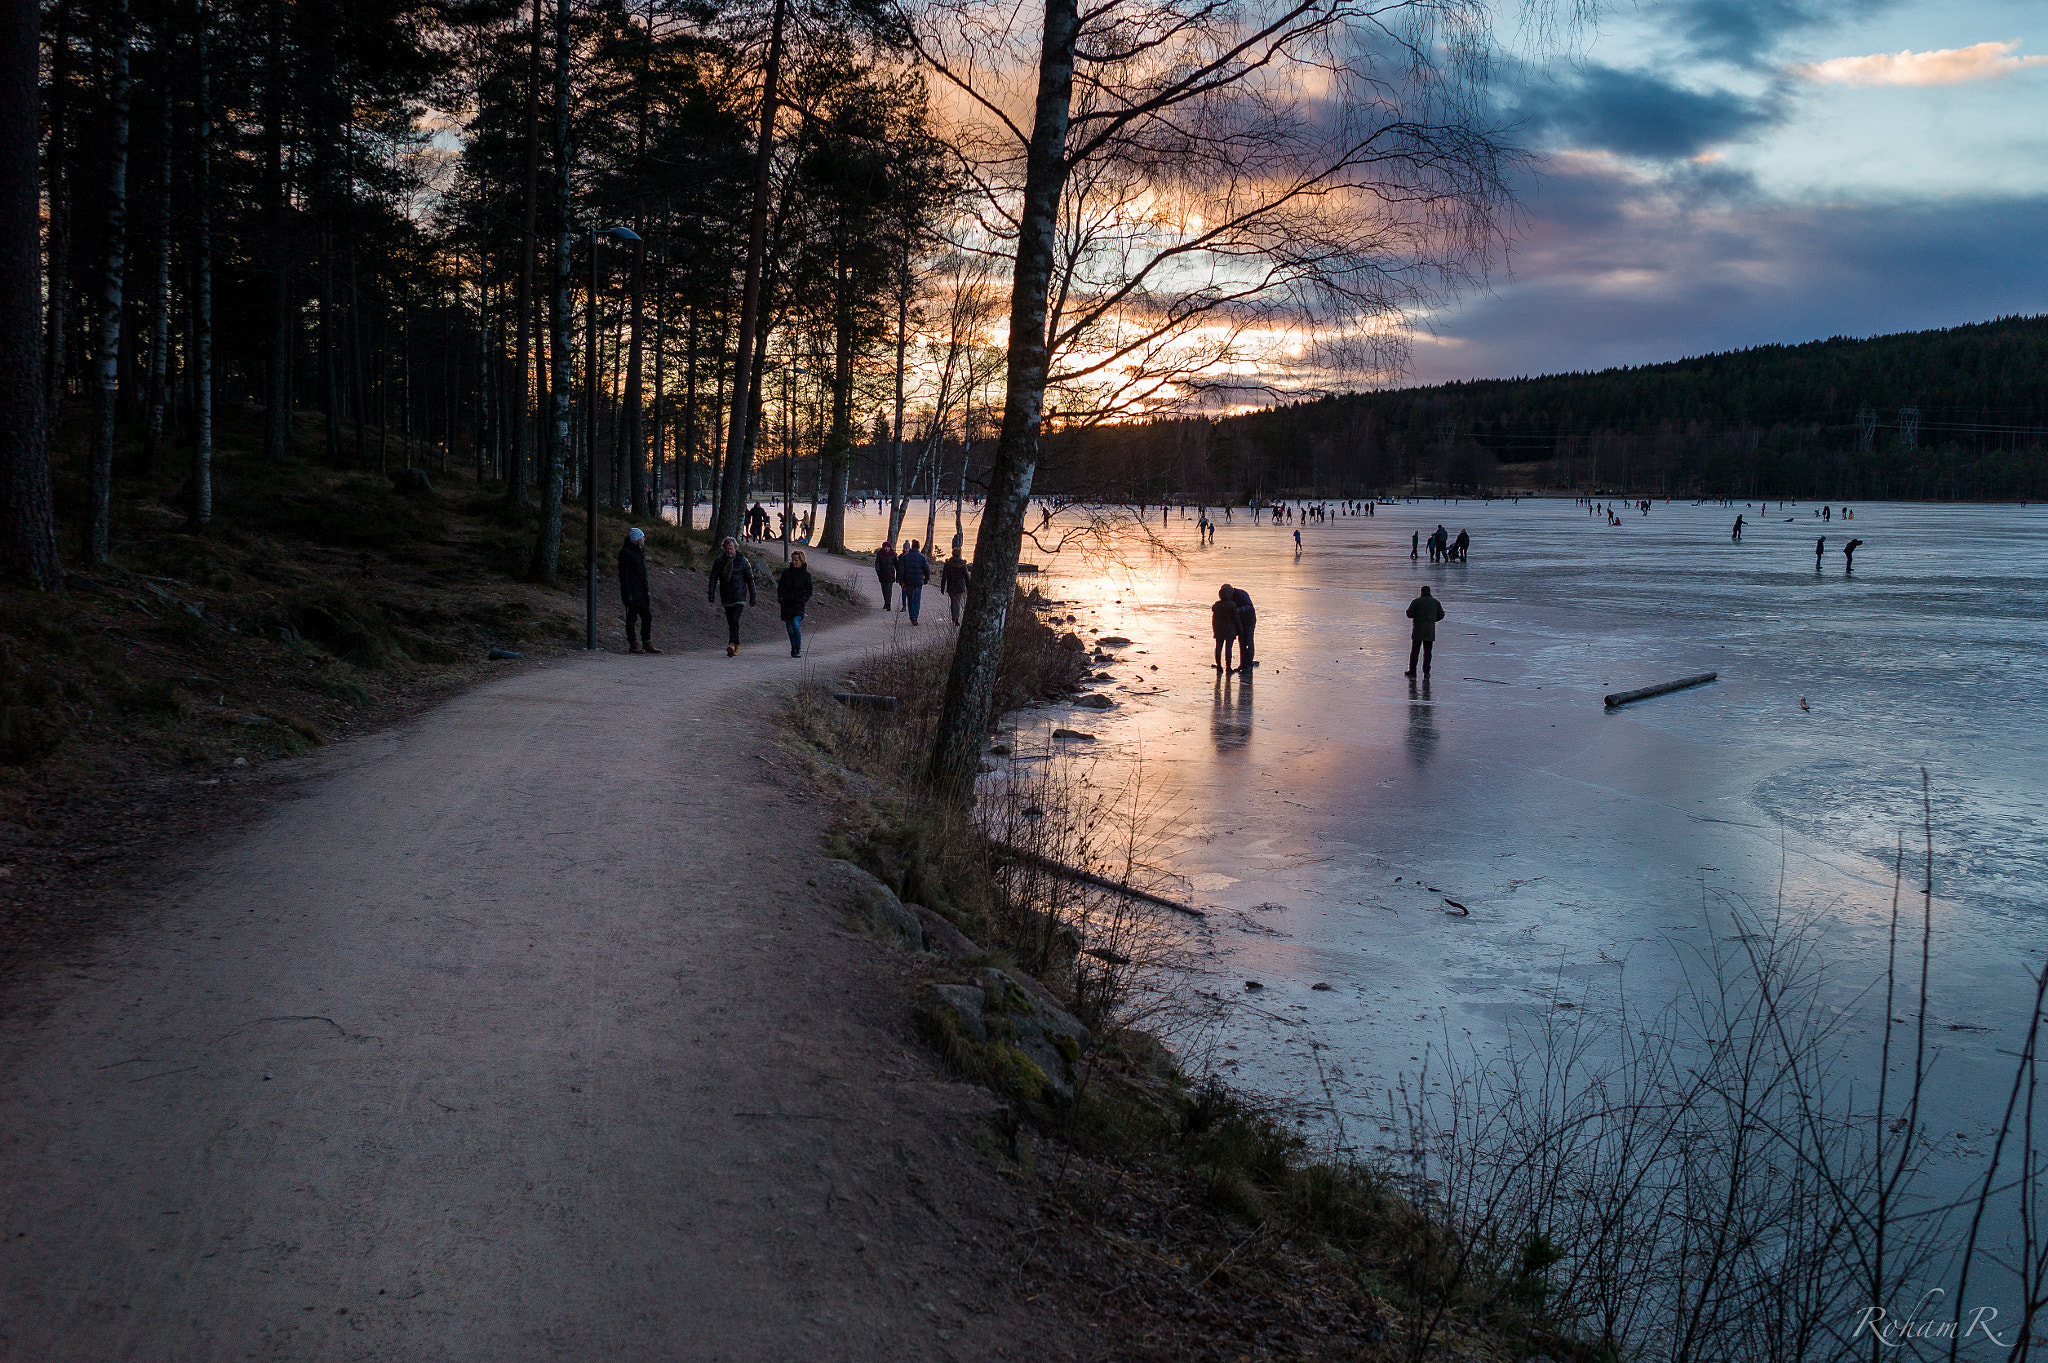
x=1615 y=271
x=1748 y=32
x=1636 y=114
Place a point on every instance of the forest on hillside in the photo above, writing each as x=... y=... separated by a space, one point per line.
x=1960 y=413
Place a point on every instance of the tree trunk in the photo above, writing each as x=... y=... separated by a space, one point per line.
x=277 y=414
x=635 y=437
x=898 y=503
x=330 y=353
x=202 y=331
x=839 y=443
x=160 y=301
x=515 y=482
x=732 y=485
x=970 y=685
x=659 y=445
x=107 y=361
x=547 y=545
x=58 y=281
x=28 y=525
x=686 y=484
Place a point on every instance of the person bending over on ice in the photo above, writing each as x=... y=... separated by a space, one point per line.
x=1425 y=610
x=1247 y=622
x=1223 y=623
x=633 y=591
x=731 y=585
x=792 y=591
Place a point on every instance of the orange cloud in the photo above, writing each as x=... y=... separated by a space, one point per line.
x=1948 y=66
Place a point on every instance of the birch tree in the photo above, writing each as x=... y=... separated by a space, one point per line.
x=1176 y=183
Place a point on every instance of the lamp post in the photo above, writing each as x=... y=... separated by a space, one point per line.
x=590 y=438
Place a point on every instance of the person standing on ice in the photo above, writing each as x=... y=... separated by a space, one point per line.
x=1737 y=535
x=1425 y=610
x=1223 y=624
x=1849 y=555
x=1820 y=546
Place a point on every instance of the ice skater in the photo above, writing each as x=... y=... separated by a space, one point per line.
x=1737 y=535
x=1425 y=610
x=1820 y=546
x=1414 y=545
x=1849 y=555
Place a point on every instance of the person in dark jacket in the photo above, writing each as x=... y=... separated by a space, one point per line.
x=1462 y=547
x=1425 y=610
x=1223 y=624
x=792 y=591
x=731 y=584
x=1849 y=555
x=1247 y=621
x=954 y=577
x=1820 y=546
x=885 y=569
x=633 y=591
x=913 y=570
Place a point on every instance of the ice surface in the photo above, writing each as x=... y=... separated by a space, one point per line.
x=1592 y=847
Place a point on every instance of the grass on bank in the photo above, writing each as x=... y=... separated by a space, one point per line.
x=1723 y=1175
x=1256 y=1219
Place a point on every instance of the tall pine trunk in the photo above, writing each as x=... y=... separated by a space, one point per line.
x=277 y=414
x=157 y=378
x=56 y=336
x=898 y=502
x=202 y=331
x=106 y=368
x=838 y=459
x=635 y=436
x=686 y=478
x=547 y=546
x=970 y=685
x=733 y=478
x=515 y=482
x=28 y=524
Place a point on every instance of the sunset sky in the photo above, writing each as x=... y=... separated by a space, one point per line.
x=1721 y=173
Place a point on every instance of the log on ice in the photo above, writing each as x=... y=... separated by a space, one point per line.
x=1625 y=697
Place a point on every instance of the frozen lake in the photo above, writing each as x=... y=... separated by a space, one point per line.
x=1325 y=809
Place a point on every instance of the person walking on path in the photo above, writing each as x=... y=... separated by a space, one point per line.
x=1247 y=622
x=1820 y=547
x=792 y=591
x=731 y=584
x=913 y=570
x=633 y=591
x=1849 y=555
x=1425 y=610
x=954 y=578
x=1223 y=624
x=885 y=569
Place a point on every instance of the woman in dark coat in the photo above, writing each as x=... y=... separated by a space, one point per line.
x=1223 y=622
x=792 y=591
x=885 y=569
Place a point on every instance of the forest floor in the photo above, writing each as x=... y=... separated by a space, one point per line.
x=142 y=707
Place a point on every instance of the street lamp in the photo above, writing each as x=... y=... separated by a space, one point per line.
x=590 y=437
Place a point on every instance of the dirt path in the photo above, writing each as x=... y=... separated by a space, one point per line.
x=518 y=1034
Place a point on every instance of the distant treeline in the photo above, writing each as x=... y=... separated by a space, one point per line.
x=1955 y=414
